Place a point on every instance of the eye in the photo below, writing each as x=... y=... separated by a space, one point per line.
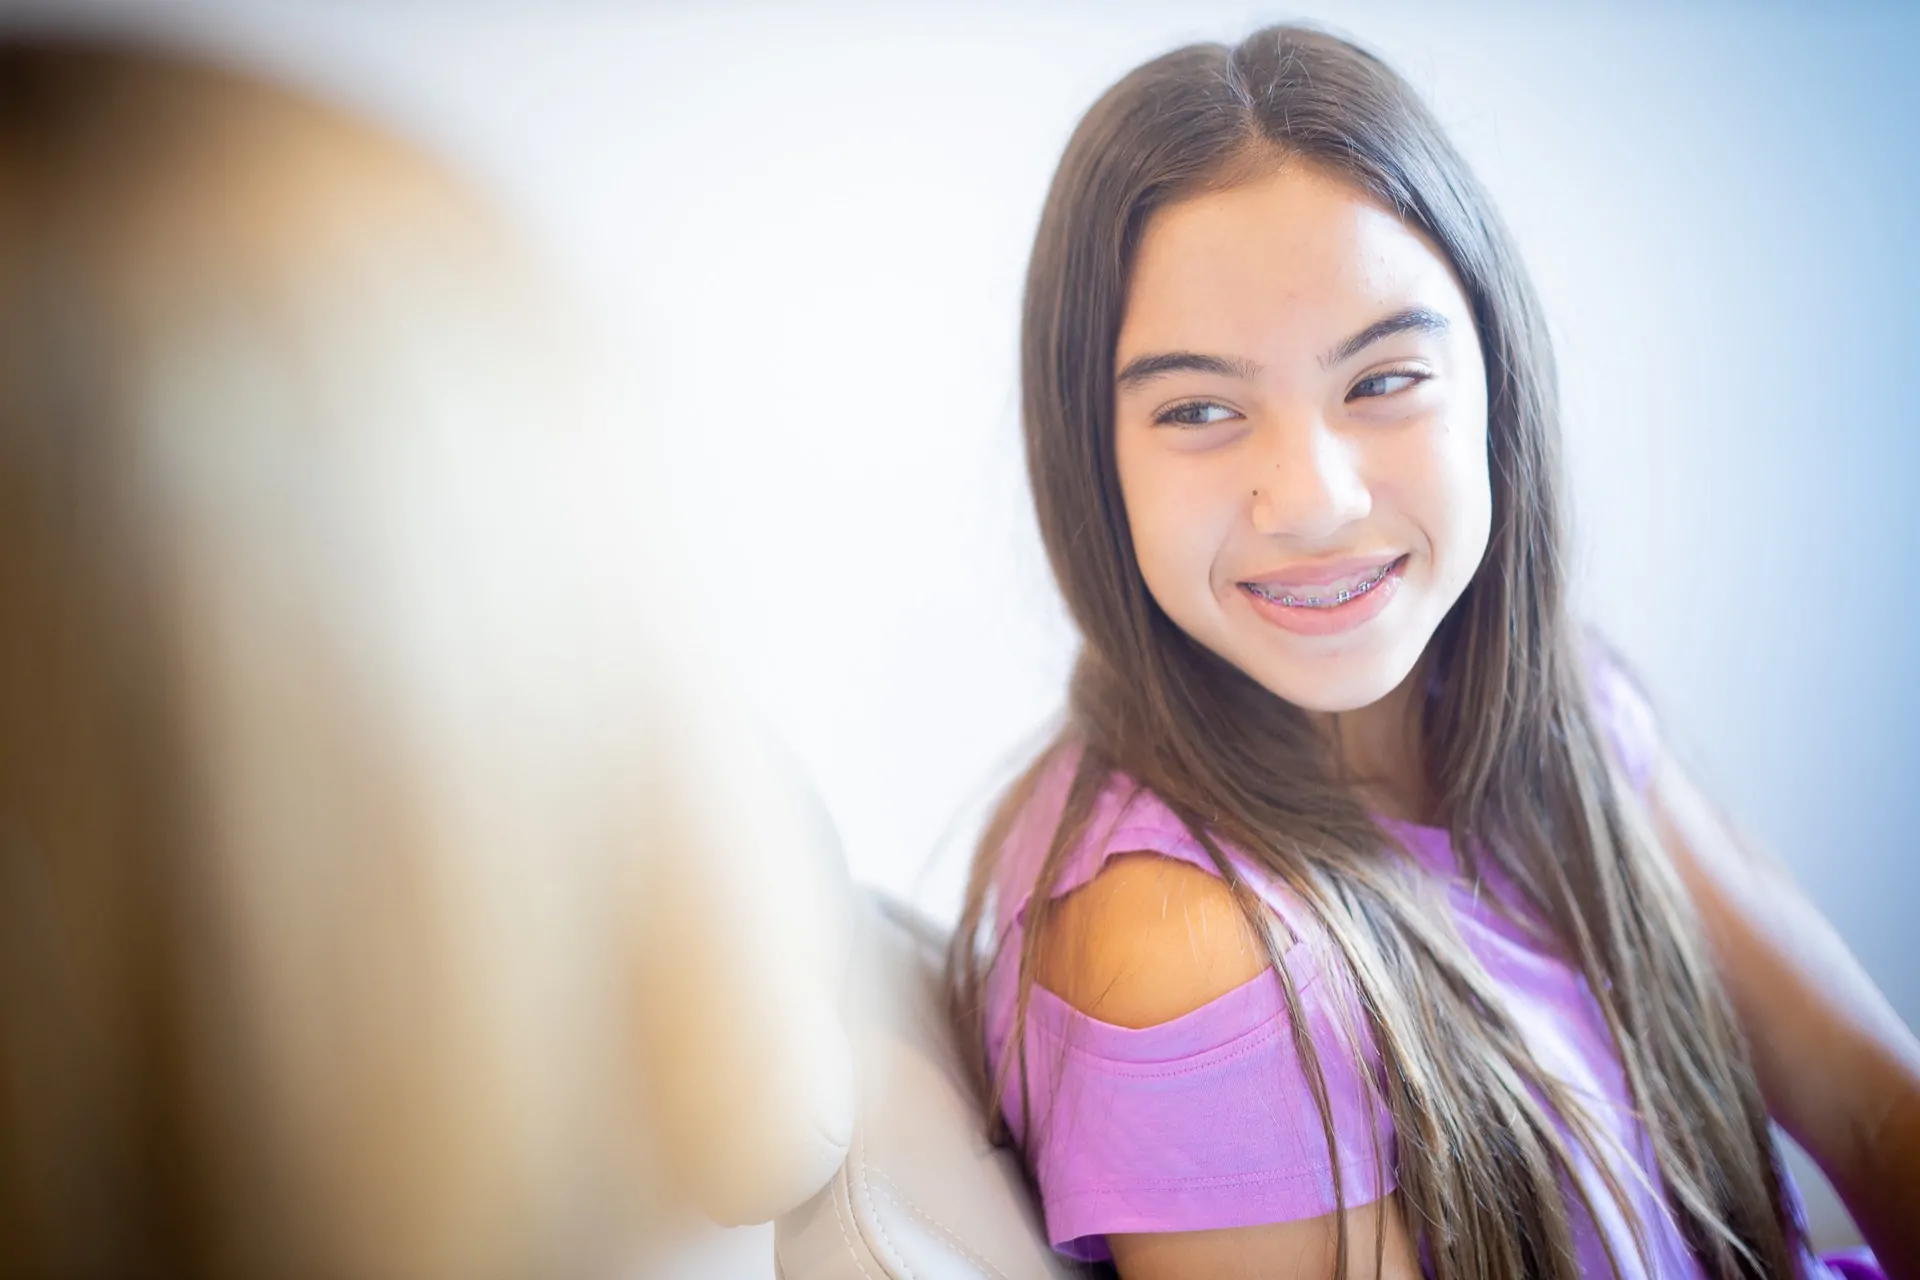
x=1386 y=384
x=1194 y=413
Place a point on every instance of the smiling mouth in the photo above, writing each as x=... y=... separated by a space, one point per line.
x=1334 y=598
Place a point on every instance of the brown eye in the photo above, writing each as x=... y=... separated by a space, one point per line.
x=1385 y=384
x=1194 y=413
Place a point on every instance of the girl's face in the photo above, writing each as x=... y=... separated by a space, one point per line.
x=1301 y=434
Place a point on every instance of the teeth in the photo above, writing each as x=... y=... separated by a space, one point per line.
x=1329 y=596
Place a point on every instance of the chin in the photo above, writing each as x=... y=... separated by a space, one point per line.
x=1331 y=696
x=1339 y=680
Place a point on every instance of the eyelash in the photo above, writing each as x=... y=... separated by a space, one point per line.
x=1415 y=378
x=1169 y=416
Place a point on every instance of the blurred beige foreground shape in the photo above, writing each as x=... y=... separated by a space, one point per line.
x=383 y=891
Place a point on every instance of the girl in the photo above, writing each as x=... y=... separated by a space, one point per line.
x=1357 y=922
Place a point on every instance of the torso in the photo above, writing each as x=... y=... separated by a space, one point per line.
x=1546 y=998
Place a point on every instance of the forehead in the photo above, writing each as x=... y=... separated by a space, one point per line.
x=1297 y=254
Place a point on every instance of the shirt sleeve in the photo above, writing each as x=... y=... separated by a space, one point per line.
x=1204 y=1122
x=1849 y=1264
x=1624 y=715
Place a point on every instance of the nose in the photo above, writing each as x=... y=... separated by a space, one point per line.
x=1306 y=480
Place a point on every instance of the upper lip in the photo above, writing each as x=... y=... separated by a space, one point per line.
x=1319 y=573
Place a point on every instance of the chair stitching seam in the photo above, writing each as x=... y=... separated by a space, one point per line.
x=879 y=1227
x=840 y=1222
x=891 y=1190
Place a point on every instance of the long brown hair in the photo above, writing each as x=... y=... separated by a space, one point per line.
x=1510 y=747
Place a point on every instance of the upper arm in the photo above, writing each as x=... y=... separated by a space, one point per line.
x=1831 y=1055
x=1150 y=939
x=1836 y=1066
x=1303 y=1250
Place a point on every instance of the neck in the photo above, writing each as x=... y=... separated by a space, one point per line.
x=1378 y=747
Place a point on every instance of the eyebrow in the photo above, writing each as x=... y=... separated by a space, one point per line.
x=1143 y=369
x=1412 y=319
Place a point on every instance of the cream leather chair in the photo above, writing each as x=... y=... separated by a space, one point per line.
x=920 y=1195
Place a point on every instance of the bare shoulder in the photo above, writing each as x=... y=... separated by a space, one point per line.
x=1148 y=939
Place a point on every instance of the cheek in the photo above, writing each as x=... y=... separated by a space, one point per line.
x=1461 y=496
x=1177 y=518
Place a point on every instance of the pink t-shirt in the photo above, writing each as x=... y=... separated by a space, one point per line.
x=1207 y=1121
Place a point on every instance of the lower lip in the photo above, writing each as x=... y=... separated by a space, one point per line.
x=1340 y=618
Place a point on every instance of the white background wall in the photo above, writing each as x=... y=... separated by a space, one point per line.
x=806 y=225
